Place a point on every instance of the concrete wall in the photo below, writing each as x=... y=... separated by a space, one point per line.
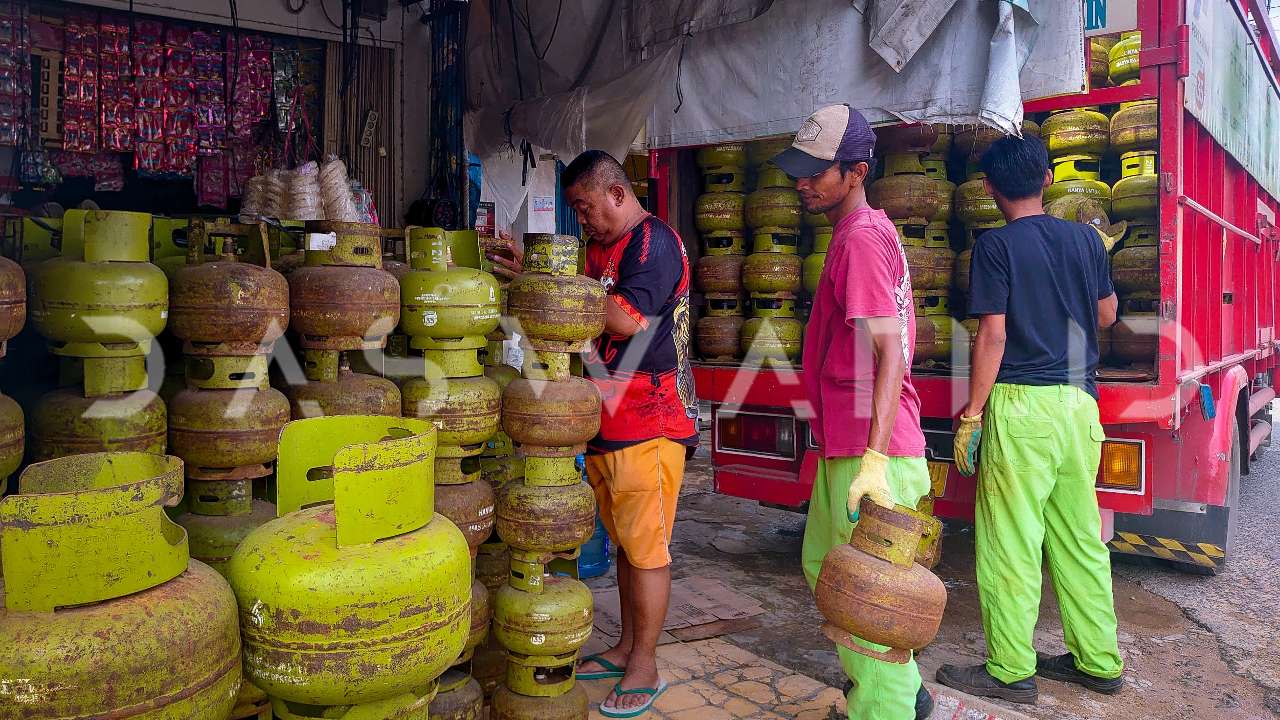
x=401 y=31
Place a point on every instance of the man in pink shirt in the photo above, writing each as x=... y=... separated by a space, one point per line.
x=857 y=375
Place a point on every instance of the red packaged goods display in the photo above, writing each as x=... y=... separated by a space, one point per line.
x=116 y=94
x=210 y=88
x=149 y=85
x=108 y=172
x=179 y=101
x=211 y=181
x=80 y=84
x=251 y=81
x=15 y=72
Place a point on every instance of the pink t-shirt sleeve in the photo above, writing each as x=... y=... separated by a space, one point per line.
x=872 y=269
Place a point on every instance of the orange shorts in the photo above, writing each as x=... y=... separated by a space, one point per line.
x=636 y=490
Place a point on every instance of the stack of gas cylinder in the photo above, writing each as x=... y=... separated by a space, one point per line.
x=543 y=619
x=915 y=193
x=100 y=305
x=447 y=312
x=1114 y=60
x=721 y=221
x=13 y=315
x=340 y=301
x=1135 y=137
x=772 y=273
x=225 y=424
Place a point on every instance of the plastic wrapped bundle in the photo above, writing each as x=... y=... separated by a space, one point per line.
x=304 y=193
x=335 y=190
x=254 y=202
x=277 y=190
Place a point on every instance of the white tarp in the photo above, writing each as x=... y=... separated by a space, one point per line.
x=590 y=78
x=764 y=77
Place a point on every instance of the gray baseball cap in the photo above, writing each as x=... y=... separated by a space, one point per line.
x=833 y=134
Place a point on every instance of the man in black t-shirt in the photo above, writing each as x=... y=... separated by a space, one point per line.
x=1040 y=287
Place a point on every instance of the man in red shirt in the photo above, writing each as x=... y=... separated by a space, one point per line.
x=647 y=424
x=857 y=376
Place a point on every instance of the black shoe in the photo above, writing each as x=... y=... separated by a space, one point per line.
x=975 y=680
x=924 y=704
x=1063 y=669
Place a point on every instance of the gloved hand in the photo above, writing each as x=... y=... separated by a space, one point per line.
x=872 y=480
x=968 y=438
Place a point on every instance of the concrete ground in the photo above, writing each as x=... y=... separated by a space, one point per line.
x=1194 y=646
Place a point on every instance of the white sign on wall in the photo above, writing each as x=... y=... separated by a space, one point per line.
x=1107 y=17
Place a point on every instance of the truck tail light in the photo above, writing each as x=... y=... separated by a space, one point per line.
x=1122 y=467
x=756 y=434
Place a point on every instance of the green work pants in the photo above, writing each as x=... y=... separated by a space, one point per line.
x=1040 y=452
x=881 y=690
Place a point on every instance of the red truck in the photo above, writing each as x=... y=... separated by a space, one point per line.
x=1181 y=429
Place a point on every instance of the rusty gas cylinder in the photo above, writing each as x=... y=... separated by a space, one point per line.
x=974 y=205
x=469 y=505
x=553 y=303
x=459 y=698
x=12 y=440
x=946 y=192
x=225 y=301
x=546 y=518
x=64 y=422
x=720 y=211
x=930 y=260
x=13 y=300
x=719 y=337
x=553 y=621
x=493 y=564
x=216 y=432
x=1136 y=126
x=915 y=137
x=220 y=514
x=771 y=340
x=771 y=272
x=907 y=196
x=343 y=308
x=720 y=273
x=102 y=612
x=358 y=591
x=349 y=393
x=545 y=413
x=1135 y=337
x=1079 y=131
x=973 y=141
x=734 y=154
x=764 y=151
x=1134 y=268
x=873 y=589
x=489 y=664
x=773 y=207
x=1100 y=60
x=464 y=409
x=509 y=705
x=934 y=326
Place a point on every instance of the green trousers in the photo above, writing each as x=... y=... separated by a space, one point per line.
x=1040 y=452
x=881 y=691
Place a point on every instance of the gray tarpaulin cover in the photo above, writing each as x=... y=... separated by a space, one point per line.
x=693 y=72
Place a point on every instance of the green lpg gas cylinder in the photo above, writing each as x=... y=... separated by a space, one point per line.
x=13 y=300
x=1126 y=58
x=64 y=422
x=549 y=511
x=773 y=207
x=560 y=310
x=1137 y=194
x=103 y=615
x=460 y=698
x=1078 y=175
x=1079 y=131
x=358 y=591
x=720 y=211
x=441 y=302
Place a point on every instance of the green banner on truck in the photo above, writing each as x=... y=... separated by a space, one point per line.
x=1230 y=92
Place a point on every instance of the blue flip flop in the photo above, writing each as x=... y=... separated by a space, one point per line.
x=610 y=670
x=653 y=693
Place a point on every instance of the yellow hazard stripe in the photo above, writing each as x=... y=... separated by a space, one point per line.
x=1202 y=554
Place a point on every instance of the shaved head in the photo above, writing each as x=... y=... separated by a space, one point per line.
x=595 y=170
